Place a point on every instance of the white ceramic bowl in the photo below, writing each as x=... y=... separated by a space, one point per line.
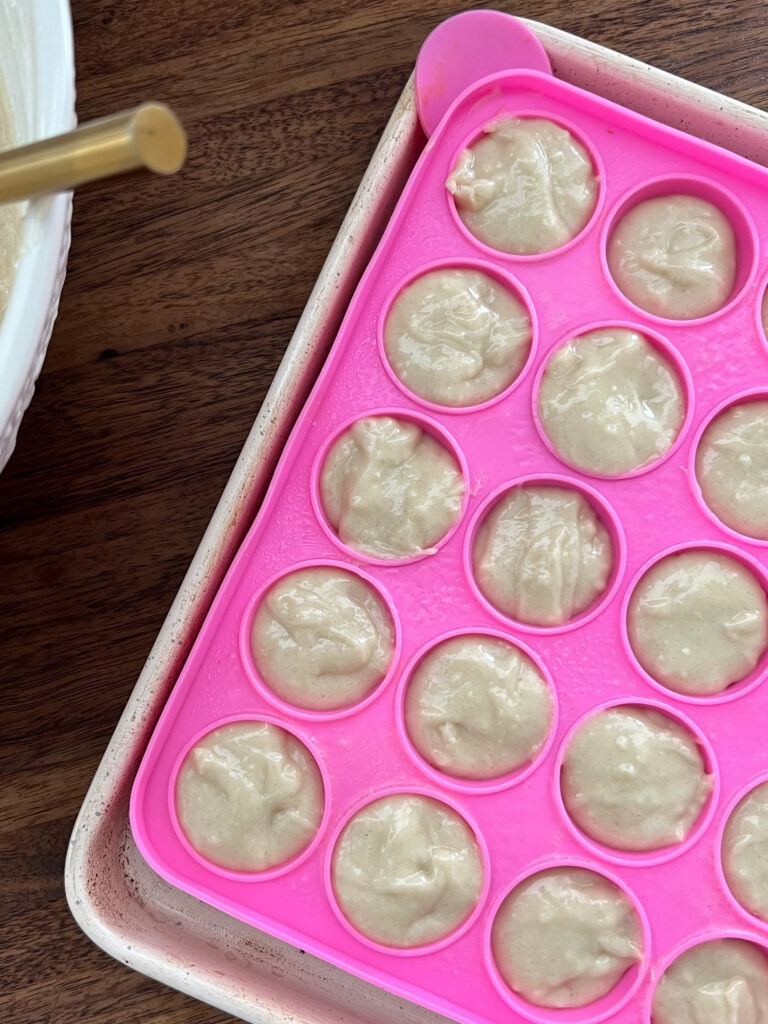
x=37 y=73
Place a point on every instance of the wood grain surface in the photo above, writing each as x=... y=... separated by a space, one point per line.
x=180 y=298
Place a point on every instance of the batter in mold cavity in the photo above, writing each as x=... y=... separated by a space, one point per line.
x=732 y=467
x=477 y=707
x=407 y=870
x=526 y=187
x=389 y=489
x=565 y=937
x=724 y=981
x=541 y=554
x=745 y=852
x=457 y=337
x=249 y=796
x=674 y=256
x=610 y=402
x=634 y=779
x=322 y=639
x=698 y=622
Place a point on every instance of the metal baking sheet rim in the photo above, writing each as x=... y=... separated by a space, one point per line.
x=114 y=896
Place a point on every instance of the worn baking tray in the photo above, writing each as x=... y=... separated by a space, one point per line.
x=115 y=897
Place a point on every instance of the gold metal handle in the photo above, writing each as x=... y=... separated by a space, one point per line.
x=149 y=137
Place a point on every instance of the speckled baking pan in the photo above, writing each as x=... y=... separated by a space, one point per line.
x=114 y=896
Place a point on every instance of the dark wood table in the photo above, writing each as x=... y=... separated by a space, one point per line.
x=180 y=299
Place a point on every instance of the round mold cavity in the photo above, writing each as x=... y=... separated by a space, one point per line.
x=665 y=349
x=597 y=167
x=651 y=857
x=735 y=690
x=497 y=783
x=429 y=426
x=459 y=930
x=605 y=514
x=496 y=274
x=747 y=243
x=740 y=398
x=268 y=873
x=700 y=939
x=249 y=662
x=593 y=1012
x=739 y=907
x=761 y=312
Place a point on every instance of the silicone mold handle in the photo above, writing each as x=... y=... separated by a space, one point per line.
x=463 y=50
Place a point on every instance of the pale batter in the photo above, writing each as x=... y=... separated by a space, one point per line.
x=541 y=555
x=389 y=489
x=322 y=639
x=634 y=779
x=724 y=981
x=732 y=468
x=610 y=402
x=457 y=337
x=698 y=622
x=477 y=707
x=10 y=219
x=249 y=796
x=528 y=186
x=407 y=870
x=565 y=937
x=674 y=256
x=745 y=852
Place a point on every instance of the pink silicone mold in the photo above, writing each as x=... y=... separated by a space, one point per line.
x=363 y=752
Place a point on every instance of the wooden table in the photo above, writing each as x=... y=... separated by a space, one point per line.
x=180 y=299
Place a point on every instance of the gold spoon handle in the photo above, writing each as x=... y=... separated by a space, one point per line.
x=149 y=137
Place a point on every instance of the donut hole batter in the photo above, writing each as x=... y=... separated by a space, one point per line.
x=745 y=852
x=477 y=707
x=565 y=937
x=610 y=402
x=322 y=638
x=634 y=779
x=674 y=256
x=541 y=555
x=407 y=871
x=732 y=467
x=724 y=981
x=526 y=187
x=389 y=489
x=698 y=622
x=457 y=337
x=249 y=796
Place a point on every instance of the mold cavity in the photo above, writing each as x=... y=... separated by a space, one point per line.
x=611 y=402
x=745 y=852
x=719 y=981
x=680 y=249
x=732 y=467
x=565 y=938
x=634 y=779
x=322 y=638
x=527 y=186
x=478 y=708
x=390 y=489
x=407 y=871
x=249 y=796
x=457 y=337
x=697 y=622
x=542 y=555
